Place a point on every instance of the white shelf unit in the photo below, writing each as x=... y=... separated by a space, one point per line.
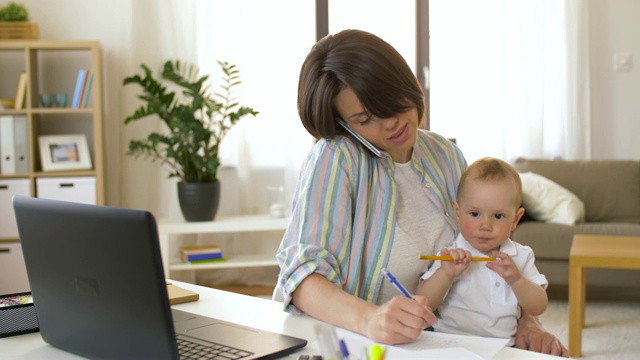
x=235 y=224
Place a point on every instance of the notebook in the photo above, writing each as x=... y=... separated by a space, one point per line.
x=99 y=289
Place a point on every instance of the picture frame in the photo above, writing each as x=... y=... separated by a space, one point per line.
x=64 y=152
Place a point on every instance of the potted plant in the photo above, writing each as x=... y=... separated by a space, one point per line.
x=14 y=12
x=196 y=123
x=14 y=23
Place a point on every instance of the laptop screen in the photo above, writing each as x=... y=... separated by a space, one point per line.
x=99 y=290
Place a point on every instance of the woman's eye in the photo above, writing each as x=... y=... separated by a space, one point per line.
x=366 y=121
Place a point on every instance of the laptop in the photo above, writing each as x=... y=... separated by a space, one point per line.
x=99 y=289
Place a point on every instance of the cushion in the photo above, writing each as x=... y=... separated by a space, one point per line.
x=610 y=189
x=547 y=201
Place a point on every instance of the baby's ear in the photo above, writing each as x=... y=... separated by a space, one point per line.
x=456 y=209
x=456 y=206
x=519 y=215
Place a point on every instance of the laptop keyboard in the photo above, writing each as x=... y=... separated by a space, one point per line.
x=189 y=348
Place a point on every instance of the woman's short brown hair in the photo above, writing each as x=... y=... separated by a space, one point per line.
x=373 y=69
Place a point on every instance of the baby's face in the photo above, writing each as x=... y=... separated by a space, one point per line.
x=487 y=212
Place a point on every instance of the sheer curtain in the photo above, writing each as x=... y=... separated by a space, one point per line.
x=267 y=41
x=160 y=30
x=510 y=78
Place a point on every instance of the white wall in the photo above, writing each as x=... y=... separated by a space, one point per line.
x=109 y=22
x=615 y=95
x=615 y=103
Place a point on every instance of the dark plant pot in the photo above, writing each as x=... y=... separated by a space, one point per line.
x=199 y=201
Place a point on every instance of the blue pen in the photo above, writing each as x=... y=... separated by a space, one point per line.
x=397 y=284
x=344 y=350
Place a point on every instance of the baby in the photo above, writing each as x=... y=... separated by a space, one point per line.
x=485 y=298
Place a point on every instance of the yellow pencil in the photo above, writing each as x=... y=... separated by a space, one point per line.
x=449 y=258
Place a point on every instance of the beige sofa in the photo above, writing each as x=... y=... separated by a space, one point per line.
x=610 y=191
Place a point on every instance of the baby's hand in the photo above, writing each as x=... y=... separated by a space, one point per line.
x=505 y=267
x=460 y=263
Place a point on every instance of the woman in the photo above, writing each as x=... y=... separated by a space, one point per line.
x=374 y=193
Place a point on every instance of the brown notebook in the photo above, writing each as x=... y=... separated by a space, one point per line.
x=178 y=295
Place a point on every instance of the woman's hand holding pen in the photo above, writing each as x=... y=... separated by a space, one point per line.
x=399 y=321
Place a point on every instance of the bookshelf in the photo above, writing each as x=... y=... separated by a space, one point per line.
x=168 y=230
x=52 y=67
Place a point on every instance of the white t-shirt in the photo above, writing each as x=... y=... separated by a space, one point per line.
x=420 y=229
x=480 y=302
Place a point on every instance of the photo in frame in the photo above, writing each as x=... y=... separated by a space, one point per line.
x=64 y=152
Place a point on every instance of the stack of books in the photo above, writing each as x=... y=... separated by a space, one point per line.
x=83 y=88
x=201 y=254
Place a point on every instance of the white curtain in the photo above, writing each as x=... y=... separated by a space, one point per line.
x=510 y=78
x=161 y=30
x=267 y=41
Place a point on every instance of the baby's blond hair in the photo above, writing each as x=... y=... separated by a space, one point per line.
x=489 y=168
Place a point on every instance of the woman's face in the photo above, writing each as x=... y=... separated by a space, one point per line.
x=395 y=135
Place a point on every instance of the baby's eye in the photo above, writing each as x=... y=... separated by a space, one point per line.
x=474 y=213
x=499 y=216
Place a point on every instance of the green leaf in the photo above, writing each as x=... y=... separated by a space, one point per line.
x=196 y=121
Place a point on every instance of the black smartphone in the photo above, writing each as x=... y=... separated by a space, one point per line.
x=362 y=140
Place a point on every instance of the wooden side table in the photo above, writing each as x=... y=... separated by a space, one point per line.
x=594 y=251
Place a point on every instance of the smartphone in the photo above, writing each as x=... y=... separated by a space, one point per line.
x=362 y=140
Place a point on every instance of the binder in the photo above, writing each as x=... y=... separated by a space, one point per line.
x=13 y=145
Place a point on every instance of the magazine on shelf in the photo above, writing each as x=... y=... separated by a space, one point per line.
x=201 y=253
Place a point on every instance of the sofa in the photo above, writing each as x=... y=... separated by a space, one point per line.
x=563 y=198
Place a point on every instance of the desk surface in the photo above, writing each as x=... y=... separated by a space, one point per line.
x=246 y=310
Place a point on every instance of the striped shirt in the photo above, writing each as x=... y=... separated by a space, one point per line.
x=343 y=212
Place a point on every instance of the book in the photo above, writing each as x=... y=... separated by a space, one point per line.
x=197 y=257
x=207 y=249
x=200 y=253
x=195 y=262
x=82 y=75
x=178 y=295
x=21 y=91
x=87 y=90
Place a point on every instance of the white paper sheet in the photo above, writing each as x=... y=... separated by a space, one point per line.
x=429 y=345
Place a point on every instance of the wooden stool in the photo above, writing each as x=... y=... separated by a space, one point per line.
x=594 y=251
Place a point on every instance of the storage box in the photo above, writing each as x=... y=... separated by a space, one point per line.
x=18 y=30
x=9 y=188
x=17 y=317
x=13 y=272
x=75 y=189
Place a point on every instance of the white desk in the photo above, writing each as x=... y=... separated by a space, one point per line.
x=242 y=309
